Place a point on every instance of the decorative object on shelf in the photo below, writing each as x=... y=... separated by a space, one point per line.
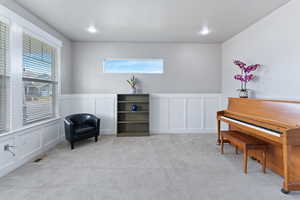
x=245 y=76
x=133 y=108
x=132 y=82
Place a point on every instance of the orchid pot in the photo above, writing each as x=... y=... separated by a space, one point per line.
x=243 y=93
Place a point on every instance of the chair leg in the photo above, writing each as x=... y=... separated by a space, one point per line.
x=222 y=145
x=96 y=139
x=72 y=145
x=245 y=160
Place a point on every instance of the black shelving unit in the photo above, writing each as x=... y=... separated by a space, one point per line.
x=133 y=123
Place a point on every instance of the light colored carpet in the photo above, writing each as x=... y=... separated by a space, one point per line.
x=159 y=167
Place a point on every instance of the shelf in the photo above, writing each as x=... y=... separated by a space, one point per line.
x=133 y=122
x=124 y=134
x=133 y=101
x=133 y=112
x=133 y=94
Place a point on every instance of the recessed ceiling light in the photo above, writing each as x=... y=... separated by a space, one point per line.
x=204 y=31
x=92 y=29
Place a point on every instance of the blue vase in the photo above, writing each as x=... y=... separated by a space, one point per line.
x=134 y=108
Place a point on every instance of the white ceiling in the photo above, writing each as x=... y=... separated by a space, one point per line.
x=151 y=20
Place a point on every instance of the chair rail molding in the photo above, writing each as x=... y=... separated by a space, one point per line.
x=169 y=113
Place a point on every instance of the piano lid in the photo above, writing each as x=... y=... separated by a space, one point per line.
x=285 y=112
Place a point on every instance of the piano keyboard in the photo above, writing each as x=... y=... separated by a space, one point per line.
x=253 y=127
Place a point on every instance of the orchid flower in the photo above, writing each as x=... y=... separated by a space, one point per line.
x=251 y=68
x=240 y=64
x=245 y=77
x=248 y=78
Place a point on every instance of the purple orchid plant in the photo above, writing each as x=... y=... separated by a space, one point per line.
x=246 y=75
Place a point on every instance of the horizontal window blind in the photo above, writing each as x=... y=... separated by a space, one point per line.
x=39 y=79
x=4 y=38
x=38 y=59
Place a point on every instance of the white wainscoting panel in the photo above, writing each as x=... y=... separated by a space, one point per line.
x=210 y=110
x=194 y=110
x=169 y=113
x=101 y=105
x=28 y=143
x=6 y=158
x=105 y=109
x=184 y=113
x=177 y=112
x=159 y=113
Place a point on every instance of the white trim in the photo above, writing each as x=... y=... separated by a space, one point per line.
x=35 y=125
x=5 y=20
x=183 y=131
x=30 y=27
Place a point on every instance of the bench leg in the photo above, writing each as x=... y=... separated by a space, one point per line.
x=264 y=161
x=236 y=150
x=222 y=145
x=245 y=160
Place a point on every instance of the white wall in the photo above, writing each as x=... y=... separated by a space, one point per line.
x=66 y=68
x=169 y=113
x=189 y=67
x=274 y=42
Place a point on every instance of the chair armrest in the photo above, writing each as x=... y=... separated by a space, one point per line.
x=69 y=129
x=94 y=121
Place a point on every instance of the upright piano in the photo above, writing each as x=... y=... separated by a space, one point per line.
x=275 y=122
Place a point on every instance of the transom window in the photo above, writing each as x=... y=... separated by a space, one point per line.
x=147 y=66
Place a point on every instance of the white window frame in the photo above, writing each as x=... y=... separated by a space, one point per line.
x=54 y=81
x=18 y=26
x=8 y=77
x=134 y=59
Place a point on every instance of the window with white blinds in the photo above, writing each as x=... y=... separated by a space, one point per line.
x=4 y=38
x=39 y=79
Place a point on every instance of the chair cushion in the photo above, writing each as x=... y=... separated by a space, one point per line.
x=83 y=129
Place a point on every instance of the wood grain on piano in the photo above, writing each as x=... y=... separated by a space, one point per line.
x=282 y=117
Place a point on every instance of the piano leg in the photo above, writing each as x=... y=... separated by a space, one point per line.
x=219 y=132
x=290 y=168
x=285 y=191
x=285 y=151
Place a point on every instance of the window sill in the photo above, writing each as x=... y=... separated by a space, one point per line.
x=24 y=128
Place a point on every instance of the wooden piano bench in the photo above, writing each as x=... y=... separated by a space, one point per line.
x=246 y=143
